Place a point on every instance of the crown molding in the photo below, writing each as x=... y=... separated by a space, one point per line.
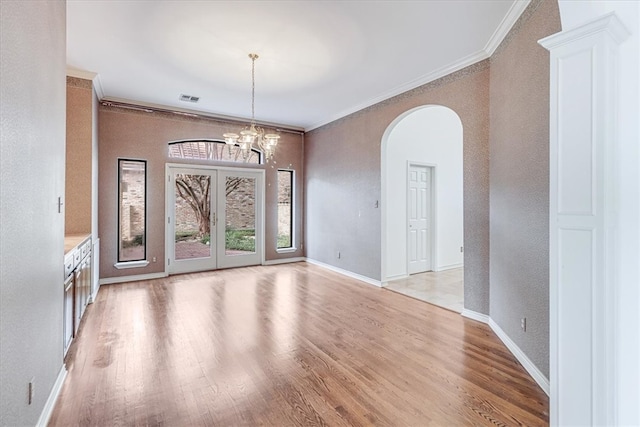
x=151 y=107
x=88 y=75
x=420 y=81
x=512 y=16
x=505 y=26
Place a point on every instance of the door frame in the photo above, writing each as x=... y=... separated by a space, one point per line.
x=230 y=261
x=260 y=210
x=432 y=215
x=172 y=266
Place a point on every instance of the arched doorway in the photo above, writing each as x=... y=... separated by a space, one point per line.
x=426 y=141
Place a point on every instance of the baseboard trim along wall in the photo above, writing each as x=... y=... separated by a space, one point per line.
x=51 y=400
x=392 y=278
x=450 y=267
x=123 y=279
x=284 y=261
x=347 y=273
x=474 y=315
x=528 y=365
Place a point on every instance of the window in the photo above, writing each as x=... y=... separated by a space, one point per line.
x=132 y=217
x=285 y=209
x=212 y=150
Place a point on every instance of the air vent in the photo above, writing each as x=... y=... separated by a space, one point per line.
x=189 y=98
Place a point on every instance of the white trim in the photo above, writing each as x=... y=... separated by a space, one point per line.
x=134 y=278
x=346 y=273
x=88 y=75
x=526 y=363
x=45 y=415
x=130 y=264
x=284 y=261
x=420 y=81
x=450 y=266
x=584 y=391
x=396 y=277
x=505 y=26
x=474 y=315
x=197 y=113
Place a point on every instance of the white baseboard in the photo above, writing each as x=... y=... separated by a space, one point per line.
x=450 y=267
x=395 y=277
x=346 y=273
x=134 y=278
x=283 y=261
x=51 y=400
x=474 y=315
x=528 y=365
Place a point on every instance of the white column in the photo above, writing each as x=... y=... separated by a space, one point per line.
x=583 y=204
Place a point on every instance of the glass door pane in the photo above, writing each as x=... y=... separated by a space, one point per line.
x=240 y=215
x=191 y=220
x=241 y=208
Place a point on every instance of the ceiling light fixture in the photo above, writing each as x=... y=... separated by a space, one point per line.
x=253 y=134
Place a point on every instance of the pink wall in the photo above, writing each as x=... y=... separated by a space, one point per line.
x=78 y=156
x=139 y=135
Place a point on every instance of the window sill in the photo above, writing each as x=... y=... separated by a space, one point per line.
x=130 y=264
x=286 y=250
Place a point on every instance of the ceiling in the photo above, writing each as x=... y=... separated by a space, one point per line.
x=319 y=60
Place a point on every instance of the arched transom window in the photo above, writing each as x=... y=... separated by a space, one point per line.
x=213 y=150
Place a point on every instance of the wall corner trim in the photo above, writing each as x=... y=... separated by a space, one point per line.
x=526 y=363
x=347 y=273
x=53 y=396
x=88 y=75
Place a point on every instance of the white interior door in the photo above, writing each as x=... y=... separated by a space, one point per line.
x=191 y=220
x=419 y=219
x=241 y=211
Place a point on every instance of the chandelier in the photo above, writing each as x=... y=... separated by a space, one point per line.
x=253 y=135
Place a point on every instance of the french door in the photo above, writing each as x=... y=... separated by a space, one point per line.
x=214 y=218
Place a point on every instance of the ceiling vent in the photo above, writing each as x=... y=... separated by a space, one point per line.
x=189 y=98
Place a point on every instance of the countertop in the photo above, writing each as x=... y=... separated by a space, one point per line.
x=71 y=241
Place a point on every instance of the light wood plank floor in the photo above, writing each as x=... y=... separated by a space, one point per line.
x=286 y=345
x=443 y=288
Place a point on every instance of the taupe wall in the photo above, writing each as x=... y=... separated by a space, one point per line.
x=519 y=136
x=342 y=163
x=80 y=124
x=140 y=135
x=32 y=147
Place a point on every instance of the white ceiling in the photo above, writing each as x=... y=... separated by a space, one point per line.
x=319 y=60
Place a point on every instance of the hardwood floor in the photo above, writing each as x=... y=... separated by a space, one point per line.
x=282 y=346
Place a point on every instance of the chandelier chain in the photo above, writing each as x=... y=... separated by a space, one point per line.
x=253 y=134
x=253 y=88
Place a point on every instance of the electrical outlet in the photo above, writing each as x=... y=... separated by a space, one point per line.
x=461 y=248
x=154 y=259
x=32 y=390
x=523 y=324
